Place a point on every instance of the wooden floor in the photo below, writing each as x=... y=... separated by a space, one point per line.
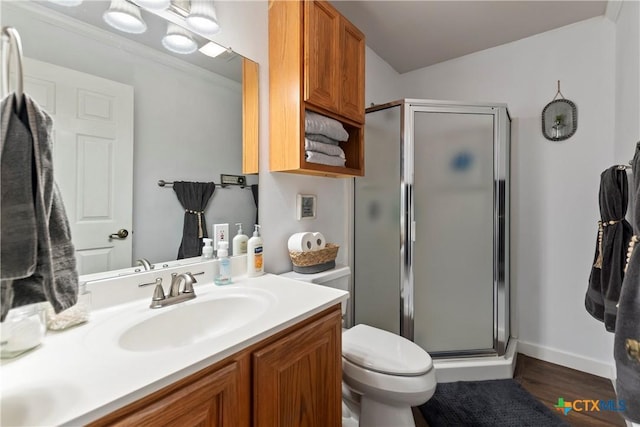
x=547 y=382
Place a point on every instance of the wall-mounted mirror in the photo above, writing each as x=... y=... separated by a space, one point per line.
x=128 y=113
x=559 y=120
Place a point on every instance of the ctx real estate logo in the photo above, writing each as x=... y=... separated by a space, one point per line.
x=590 y=405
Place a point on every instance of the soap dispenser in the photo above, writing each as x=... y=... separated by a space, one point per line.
x=240 y=241
x=255 y=265
x=207 y=249
x=224 y=265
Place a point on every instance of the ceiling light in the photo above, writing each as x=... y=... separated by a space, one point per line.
x=202 y=17
x=154 y=4
x=68 y=3
x=212 y=49
x=179 y=40
x=124 y=16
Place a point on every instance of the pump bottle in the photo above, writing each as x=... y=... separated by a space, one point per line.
x=255 y=264
x=240 y=241
x=207 y=249
x=224 y=265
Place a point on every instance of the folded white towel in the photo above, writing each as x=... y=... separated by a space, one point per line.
x=316 y=123
x=321 y=138
x=329 y=149
x=324 y=159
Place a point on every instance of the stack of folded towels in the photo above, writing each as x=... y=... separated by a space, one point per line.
x=322 y=138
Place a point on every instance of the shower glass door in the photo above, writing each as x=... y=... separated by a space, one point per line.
x=453 y=230
x=378 y=245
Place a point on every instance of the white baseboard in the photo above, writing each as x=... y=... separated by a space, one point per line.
x=570 y=360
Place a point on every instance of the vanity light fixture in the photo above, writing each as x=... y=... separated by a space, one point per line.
x=154 y=4
x=125 y=16
x=212 y=49
x=202 y=17
x=179 y=40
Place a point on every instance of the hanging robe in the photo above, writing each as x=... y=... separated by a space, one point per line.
x=607 y=272
x=627 y=334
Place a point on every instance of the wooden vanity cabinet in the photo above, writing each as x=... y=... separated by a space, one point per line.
x=215 y=396
x=316 y=62
x=292 y=378
x=295 y=383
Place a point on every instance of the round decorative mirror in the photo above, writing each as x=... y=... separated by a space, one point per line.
x=559 y=118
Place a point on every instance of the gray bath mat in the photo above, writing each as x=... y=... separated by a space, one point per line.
x=487 y=403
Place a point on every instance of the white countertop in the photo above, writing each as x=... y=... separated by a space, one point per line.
x=81 y=374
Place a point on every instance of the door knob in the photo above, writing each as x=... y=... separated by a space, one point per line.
x=121 y=234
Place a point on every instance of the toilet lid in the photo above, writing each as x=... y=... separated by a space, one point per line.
x=384 y=352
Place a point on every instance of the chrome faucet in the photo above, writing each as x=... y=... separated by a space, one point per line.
x=159 y=299
x=145 y=264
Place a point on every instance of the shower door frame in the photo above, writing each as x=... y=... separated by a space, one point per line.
x=501 y=202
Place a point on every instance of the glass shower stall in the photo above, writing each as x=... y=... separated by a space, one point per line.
x=431 y=225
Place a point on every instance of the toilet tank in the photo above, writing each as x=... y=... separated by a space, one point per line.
x=338 y=278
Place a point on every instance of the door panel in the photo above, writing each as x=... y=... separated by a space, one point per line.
x=321 y=42
x=453 y=250
x=93 y=158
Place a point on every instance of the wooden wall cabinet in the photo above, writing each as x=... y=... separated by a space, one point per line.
x=316 y=62
x=290 y=379
x=250 y=116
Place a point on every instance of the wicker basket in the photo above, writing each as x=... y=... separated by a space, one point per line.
x=314 y=261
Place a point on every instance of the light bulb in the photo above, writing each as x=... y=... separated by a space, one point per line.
x=125 y=16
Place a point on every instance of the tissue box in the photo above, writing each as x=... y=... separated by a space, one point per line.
x=315 y=261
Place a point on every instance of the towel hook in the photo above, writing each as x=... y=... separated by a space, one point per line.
x=11 y=44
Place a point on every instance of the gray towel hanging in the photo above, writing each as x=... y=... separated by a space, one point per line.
x=194 y=197
x=53 y=276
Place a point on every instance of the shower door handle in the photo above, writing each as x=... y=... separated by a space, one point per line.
x=413 y=231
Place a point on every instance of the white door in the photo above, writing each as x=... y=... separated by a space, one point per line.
x=93 y=158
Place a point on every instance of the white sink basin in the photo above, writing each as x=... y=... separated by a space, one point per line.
x=185 y=324
x=210 y=315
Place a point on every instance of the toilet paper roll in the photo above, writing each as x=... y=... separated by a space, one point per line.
x=302 y=242
x=319 y=240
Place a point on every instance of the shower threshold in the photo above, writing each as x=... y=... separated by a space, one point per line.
x=477 y=368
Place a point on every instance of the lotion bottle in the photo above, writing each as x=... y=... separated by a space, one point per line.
x=224 y=265
x=255 y=265
x=240 y=242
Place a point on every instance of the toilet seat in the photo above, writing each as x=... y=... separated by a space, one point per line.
x=381 y=351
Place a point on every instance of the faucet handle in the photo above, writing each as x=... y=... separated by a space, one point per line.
x=158 y=293
x=158 y=281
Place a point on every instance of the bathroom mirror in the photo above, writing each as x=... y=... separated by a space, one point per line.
x=559 y=120
x=185 y=121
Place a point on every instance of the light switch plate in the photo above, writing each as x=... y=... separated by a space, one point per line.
x=306 y=206
x=220 y=232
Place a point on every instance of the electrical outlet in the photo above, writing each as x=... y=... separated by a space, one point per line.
x=220 y=232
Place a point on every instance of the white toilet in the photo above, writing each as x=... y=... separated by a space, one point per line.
x=383 y=374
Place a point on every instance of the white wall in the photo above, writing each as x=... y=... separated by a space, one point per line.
x=187 y=125
x=627 y=112
x=555 y=184
x=382 y=83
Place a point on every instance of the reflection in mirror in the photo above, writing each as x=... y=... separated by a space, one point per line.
x=128 y=113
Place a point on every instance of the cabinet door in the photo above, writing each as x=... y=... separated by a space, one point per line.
x=297 y=379
x=351 y=71
x=212 y=400
x=321 y=54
